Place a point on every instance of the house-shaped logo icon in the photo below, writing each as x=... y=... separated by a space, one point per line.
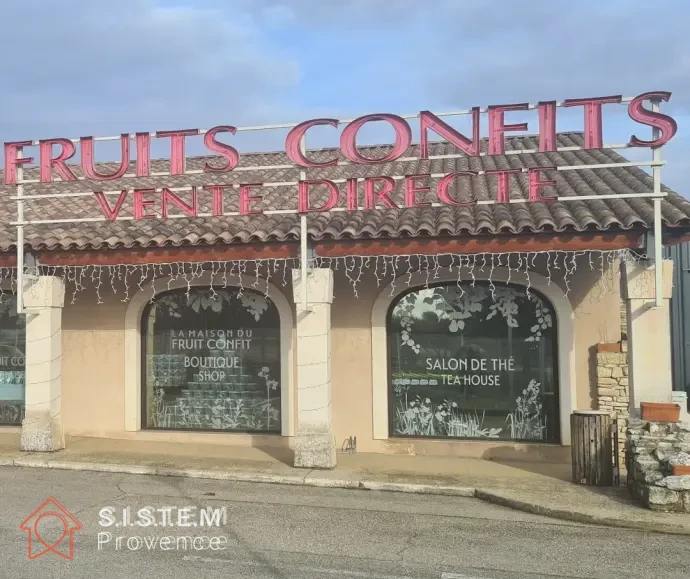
x=64 y=545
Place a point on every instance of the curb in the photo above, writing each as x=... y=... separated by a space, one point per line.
x=577 y=517
x=157 y=471
x=30 y=462
x=418 y=489
x=307 y=480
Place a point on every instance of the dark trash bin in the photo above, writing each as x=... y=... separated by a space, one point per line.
x=592 y=447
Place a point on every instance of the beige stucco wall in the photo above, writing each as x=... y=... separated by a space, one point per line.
x=93 y=374
x=93 y=366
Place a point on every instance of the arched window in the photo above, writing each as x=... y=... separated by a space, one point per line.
x=473 y=361
x=12 y=376
x=211 y=361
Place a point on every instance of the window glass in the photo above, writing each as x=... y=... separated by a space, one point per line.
x=473 y=362
x=12 y=344
x=212 y=361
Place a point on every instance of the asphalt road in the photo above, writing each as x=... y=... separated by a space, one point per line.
x=289 y=532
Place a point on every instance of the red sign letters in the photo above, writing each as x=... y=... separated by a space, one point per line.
x=54 y=154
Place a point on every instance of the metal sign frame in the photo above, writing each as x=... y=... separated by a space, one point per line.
x=656 y=194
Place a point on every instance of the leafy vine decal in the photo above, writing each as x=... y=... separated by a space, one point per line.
x=457 y=306
x=202 y=299
x=543 y=318
x=255 y=304
x=406 y=337
x=461 y=305
x=505 y=304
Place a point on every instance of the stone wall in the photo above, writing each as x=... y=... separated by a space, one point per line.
x=612 y=389
x=658 y=453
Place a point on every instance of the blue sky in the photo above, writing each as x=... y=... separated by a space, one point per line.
x=105 y=67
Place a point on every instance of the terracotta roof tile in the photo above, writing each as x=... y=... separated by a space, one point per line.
x=608 y=214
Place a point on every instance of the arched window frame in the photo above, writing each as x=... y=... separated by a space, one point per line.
x=133 y=346
x=564 y=349
x=9 y=291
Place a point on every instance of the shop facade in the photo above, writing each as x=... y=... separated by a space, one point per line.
x=502 y=371
x=461 y=327
x=398 y=378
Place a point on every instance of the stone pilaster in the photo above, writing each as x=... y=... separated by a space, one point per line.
x=314 y=443
x=612 y=393
x=649 y=335
x=42 y=426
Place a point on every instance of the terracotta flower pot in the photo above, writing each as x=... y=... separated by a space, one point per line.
x=609 y=347
x=680 y=470
x=660 y=411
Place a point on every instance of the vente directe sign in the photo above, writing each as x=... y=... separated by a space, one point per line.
x=54 y=154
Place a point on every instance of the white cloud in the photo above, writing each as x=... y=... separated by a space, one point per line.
x=482 y=51
x=279 y=15
x=362 y=14
x=448 y=54
x=131 y=65
x=545 y=49
x=105 y=66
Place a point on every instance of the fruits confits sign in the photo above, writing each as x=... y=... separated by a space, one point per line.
x=53 y=156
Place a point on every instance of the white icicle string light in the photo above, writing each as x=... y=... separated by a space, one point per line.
x=142 y=278
x=491 y=281
x=99 y=283
x=214 y=294
x=458 y=282
x=259 y=263
x=548 y=268
x=462 y=265
x=225 y=274
x=436 y=267
x=529 y=281
x=556 y=266
x=187 y=281
x=123 y=276
x=73 y=279
x=268 y=273
x=350 y=278
x=82 y=274
x=392 y=266
x=361 y=268
x=154 y=277
x=5 y=273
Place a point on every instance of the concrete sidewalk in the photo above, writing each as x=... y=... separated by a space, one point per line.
x=541 y=488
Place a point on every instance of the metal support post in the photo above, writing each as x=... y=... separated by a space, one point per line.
x=658 y=242
x=20 y=234
x=304 y=247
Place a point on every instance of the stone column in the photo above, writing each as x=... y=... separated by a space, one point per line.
x=42 y=425
x=649 y=335
x=612 y=392
x=314 y=443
